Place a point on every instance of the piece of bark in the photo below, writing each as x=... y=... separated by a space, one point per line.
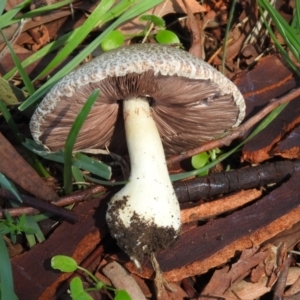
x=217 y=207
x=290 y=146
x=33 y=276
x=290 y=237
x=122 y=280
x=208 y=246
x=270 y=78
x=26 y=176
x=201 y=242
x=261 y=147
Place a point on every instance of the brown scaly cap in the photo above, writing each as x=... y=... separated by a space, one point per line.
x=191 y=101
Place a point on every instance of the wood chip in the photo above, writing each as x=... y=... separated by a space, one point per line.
x=122 y=280
x=214 y=208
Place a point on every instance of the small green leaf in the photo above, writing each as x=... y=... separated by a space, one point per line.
x=213 y=153
x=200 y=160
x=33 y=226
x=167 y=37
x=157 y=21
x=63 y=263
x=122 y=295
x=114 y=39
x=4 y=229
x=77 y=291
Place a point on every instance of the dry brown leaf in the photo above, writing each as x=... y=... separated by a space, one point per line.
x=222 y=280
x=267 y=266
x=197 y=33
x=40 y=37
x=295 y=288
x=248 y=291
x=178 y=294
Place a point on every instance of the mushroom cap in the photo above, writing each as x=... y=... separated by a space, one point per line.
x=191 y=101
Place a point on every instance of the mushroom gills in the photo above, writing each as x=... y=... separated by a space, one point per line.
x=144 y=216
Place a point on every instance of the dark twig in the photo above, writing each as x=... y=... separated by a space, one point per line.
x=281 y=282
x=41 y=205
x=238 y=132
x=53 y=206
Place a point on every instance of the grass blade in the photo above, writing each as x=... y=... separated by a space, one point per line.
x=136 y=10
x=2 y=5
x=110 y=15
x=87 y=163
x=79 y=160
x=41 y=53
x=78 y=177
x=232 y=9
x=296 y=19
x=80 y=35
x=6 y=184
x=286 y=31
x=21 y=70
x=6 y=277
x=6 y=18
x=10 y=121
x=39 y=11
x=30 y=222
x=71 y=139
x=277 y=43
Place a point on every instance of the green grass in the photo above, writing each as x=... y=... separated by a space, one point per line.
x=6 y=278
x=71 y=139
x=132 y=11
x=289 y=34
x=117 y=14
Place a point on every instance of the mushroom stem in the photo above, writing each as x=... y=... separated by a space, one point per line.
x=144 y=216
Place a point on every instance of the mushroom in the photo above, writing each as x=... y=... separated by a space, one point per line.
x=172 y=101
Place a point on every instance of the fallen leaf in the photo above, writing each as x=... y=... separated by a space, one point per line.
x=223 y=279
